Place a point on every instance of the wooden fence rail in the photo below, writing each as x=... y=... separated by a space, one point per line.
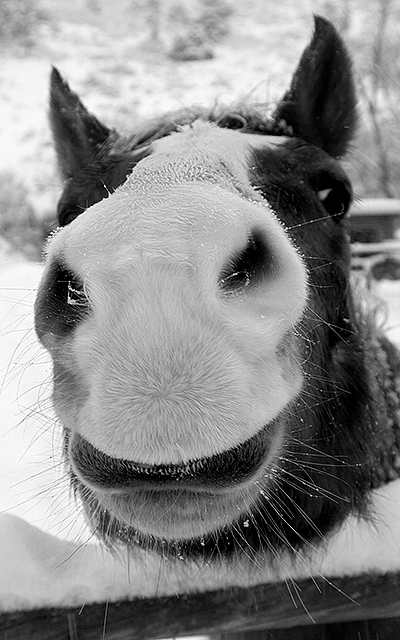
x=231 y=613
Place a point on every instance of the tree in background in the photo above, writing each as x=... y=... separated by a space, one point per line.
x=214 y=19
x=377 y=54
x=18 y=222
x=338 y=13
x=380 y=92
x=371 y=30
x=203 y=32
x=154 y=11
x=19 y=22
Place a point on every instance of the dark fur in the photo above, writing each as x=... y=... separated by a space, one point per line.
x=339 y=440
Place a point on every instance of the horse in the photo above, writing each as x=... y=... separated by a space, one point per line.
x=225 y=397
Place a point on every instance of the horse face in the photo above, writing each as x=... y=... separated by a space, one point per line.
x=179 y=314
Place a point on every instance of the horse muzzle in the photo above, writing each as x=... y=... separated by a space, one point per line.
x=177 y=500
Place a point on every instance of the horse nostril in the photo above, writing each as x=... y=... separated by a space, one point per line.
x=249 y=267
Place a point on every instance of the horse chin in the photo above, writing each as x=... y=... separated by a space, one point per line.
x=166 y=522
x=158 y=517
x=173 y=502
x=174 y=515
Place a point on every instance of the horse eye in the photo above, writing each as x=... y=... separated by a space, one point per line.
x=324 y=193
x=336 y=199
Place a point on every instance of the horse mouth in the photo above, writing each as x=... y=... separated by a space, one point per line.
x=126 y=500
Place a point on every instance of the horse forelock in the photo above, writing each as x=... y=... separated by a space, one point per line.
x=239 y=116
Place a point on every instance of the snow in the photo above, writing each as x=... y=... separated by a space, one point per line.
x=47 y=554
x=368 y=546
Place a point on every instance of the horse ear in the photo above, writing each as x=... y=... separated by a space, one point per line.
x=78 y=136
x=320 y=105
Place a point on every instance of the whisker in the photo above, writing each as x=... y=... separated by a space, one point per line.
x=313 y=221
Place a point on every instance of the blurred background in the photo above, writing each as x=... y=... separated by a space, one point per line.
x=131 y=59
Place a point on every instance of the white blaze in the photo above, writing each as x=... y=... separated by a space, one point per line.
x=171 y=368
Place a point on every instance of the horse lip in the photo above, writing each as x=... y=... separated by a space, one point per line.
x=217 y=474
